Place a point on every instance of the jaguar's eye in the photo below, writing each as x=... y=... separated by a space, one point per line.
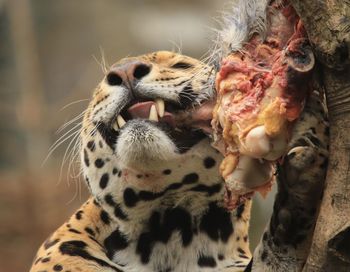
x=182 y=65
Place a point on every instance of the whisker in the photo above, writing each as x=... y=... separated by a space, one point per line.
x=177 y=46
x=74 y=157
x=73 y=103
x=76 y=118
x=103 y=63
x=58 y=142
x=74 y=196
x=69 y=151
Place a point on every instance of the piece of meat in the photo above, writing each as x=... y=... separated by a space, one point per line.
x=261 y=92
x=199 y=117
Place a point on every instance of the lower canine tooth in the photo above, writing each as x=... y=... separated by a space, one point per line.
x=115 y=126
x=153 y=116
x=160 y=107
x=121 y=121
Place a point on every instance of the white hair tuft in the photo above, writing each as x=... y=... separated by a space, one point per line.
x=245 y=18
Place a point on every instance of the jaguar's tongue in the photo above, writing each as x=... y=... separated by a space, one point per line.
x=141 y=110
x=149 y=110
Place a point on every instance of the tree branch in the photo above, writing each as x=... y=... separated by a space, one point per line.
x=328 y=27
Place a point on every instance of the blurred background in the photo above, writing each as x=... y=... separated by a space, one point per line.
x=50 y=56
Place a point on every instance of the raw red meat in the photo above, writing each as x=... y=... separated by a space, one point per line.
x=261 y=92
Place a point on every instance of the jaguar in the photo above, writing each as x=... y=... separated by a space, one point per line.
x=156 y=193
x=157 y=198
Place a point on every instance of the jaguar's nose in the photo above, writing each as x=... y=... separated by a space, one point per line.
x=127 y=73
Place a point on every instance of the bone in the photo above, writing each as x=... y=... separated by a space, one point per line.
x=278 y=147
x=249 y=174
x=301 y=60
x=257 y=143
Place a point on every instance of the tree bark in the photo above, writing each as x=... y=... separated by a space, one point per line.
x=328 y=25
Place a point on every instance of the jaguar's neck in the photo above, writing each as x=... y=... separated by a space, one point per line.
x=177 y=204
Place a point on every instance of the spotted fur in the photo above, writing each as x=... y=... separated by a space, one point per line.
x=157 y=196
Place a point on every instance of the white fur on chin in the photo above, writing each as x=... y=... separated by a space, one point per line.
x=142 y=144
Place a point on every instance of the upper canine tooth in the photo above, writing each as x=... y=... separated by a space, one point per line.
x=121 y=121
x=160 y=107
x=153 y=116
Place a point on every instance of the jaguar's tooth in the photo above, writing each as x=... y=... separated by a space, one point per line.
x=160 y=107
x=121 y=121
x=115 y=125
x=153 y=116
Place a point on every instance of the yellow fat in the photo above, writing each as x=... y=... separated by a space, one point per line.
x=228 y=164
x=274 y=118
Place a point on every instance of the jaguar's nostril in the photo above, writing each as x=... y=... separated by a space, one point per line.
x=141 y=71
x=114 y=79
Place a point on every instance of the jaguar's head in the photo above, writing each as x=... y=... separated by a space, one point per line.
x=144 y=119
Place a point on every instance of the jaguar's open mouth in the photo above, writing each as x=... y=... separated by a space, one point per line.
x=185 y=127
x=149 y=110
x=166 y=114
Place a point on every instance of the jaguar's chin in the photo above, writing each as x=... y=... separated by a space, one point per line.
x=142 y=143
x=145 y=132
